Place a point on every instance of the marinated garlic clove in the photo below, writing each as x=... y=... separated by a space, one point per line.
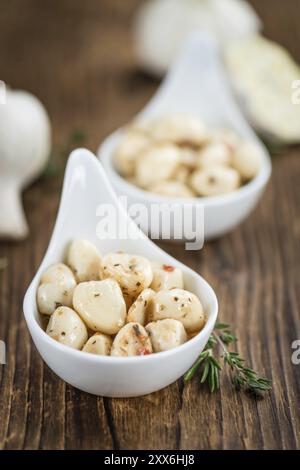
x=59 y=273
x=84 y=258
x=133 y=273
x=132 y=340
x=129 y=149
x=99 y=344
x=215 y=180
x=182 y=129
x=188 y=158
x=166 y=277
x=101 y=305
x=156 y=164
x=180 y=305
x=172 y=188
x=247 y=160
x=214 y=154
x=51 y=295
x=138 y=311
x=129 y=299
x=66 y=327
x=166 y=334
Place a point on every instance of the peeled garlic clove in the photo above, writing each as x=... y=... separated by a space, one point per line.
x=182 y=129
x=182 y=174
x=99 y=344
x=66 y=327
x=133 y=273
x=131 y=146
x=101 y=305
x=171 y=188
x=132 y=340
x=59 y=273
x=166 y=277
x=84 y=259
x=247 y=160
x=156 y=164
x=214 y=181
x=213 y=154
x=51 y=295
x=180 y=305
x=166 y=334
x=138 y=311
x=25 y=143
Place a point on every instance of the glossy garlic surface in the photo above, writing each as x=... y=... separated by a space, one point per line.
x=180 y=157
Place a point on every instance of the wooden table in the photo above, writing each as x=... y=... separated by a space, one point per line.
x=77 y=57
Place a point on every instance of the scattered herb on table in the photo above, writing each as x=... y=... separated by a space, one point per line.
x=59 y=155
x=215 y=356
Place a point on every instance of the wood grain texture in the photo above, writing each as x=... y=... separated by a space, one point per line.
x=77 y=57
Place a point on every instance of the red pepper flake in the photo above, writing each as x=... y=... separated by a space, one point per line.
x=168 y=268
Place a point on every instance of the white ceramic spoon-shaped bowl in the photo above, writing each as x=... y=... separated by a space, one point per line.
x=196 y=84
x=86 y=187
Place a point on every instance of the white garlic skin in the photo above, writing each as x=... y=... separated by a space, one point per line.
x=247 y=160
x=132 y=340
x=215 y=181
x=56 y=288
x=101 y=305
x=84 y=259
x=156 y=164
x=166 y=277
x=98 y=344
x=66 y=327
x=166 y=334
x=216 y=153
x=138 y=312
x=180 y=305
x=132 y=272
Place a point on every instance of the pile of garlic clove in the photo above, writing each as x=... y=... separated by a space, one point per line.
x=177 y=156
x=118 y=304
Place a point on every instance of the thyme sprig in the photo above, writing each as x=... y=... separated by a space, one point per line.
x=216 y=355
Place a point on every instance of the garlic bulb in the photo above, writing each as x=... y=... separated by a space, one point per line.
x=262 y=73
x=162 y=26
x=24 y=150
